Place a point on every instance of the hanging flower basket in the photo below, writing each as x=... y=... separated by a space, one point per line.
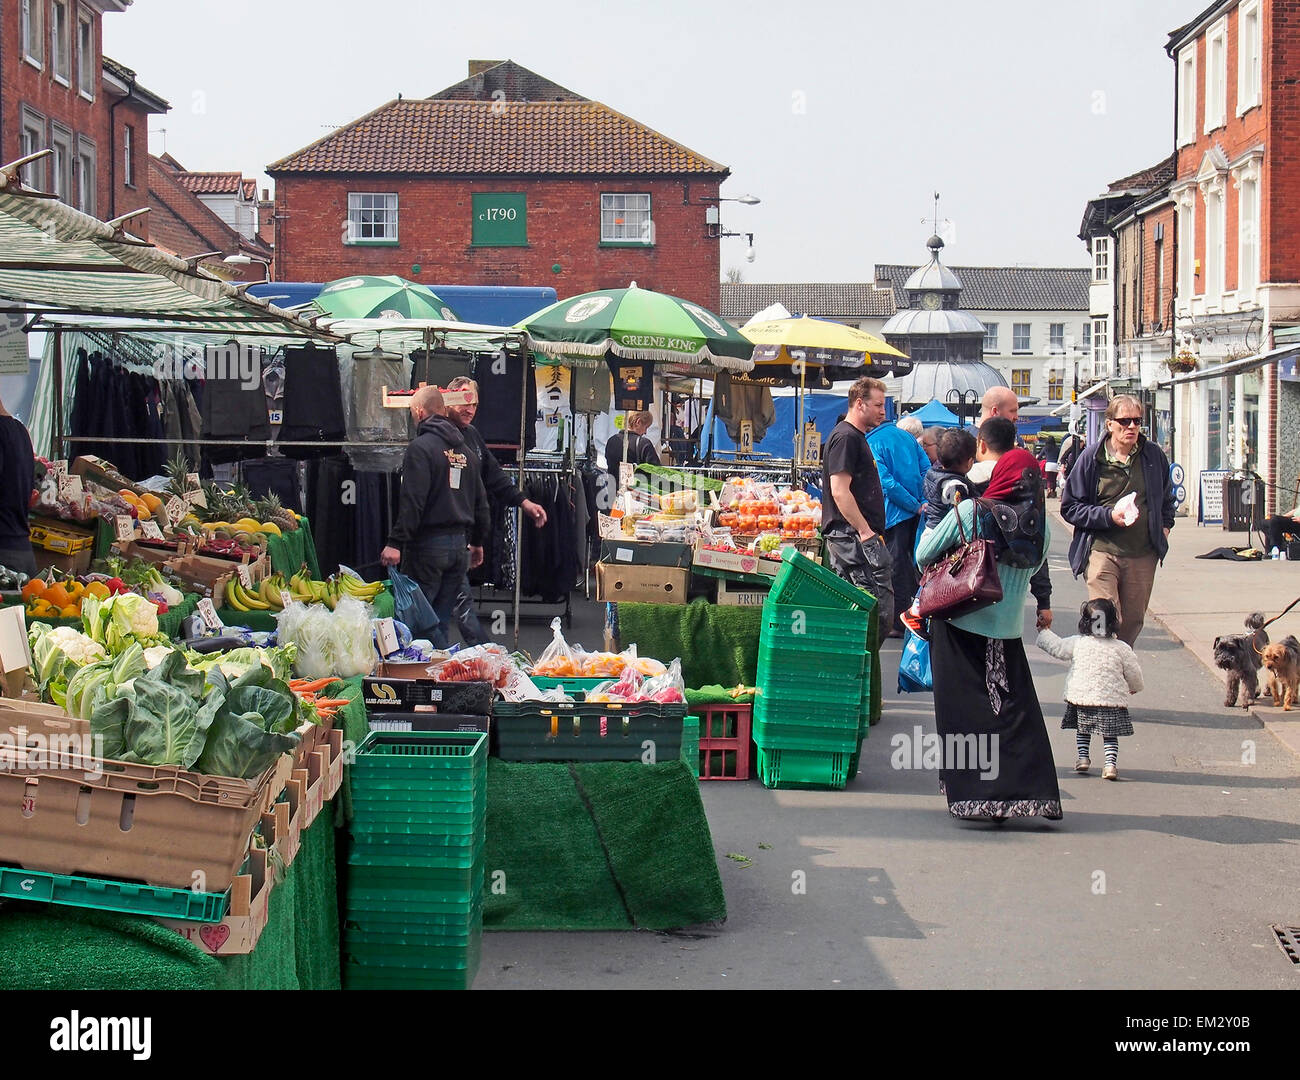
x=1181 y=363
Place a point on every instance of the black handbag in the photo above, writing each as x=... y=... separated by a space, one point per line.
x=964 y=580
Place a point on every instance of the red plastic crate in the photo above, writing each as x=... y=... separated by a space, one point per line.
x=725 y=732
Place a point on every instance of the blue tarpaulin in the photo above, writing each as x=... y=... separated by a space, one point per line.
x=489 y=305
x=935 y=412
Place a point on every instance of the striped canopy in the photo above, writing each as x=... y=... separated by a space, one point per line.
x=69 y=269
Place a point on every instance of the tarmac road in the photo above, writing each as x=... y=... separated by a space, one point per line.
x=1167 y=879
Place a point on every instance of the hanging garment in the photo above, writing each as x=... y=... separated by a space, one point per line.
x=369 y=422
x=736 y=401
x=313 y=401
x=590 y=390
x=504 y=400
x=438 y=367
x=331 y=505
x=231 y=409
x=277 y=474
x=633 y=383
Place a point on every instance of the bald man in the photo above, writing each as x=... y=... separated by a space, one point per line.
x=442 y=518
x=1002 y=401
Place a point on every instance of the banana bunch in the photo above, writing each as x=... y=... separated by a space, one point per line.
x=269 y=594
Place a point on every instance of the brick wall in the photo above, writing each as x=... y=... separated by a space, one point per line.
x=23 y=84
x=563 y=227
x=1156 y=309
x=1280 y=205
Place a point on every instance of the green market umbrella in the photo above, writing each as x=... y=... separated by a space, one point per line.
x=636 y=324
x=362 y=297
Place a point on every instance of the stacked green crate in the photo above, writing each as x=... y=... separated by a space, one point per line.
x=815 y=677
x=691 y=744
x=414 y=917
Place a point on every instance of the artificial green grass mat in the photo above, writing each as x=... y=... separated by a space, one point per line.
x=50 y=947
x=601 y=846
x=716 y=644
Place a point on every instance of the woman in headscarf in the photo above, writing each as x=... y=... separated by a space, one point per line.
x=997 y=756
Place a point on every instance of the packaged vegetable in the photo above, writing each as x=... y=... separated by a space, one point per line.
x=557 y=660
x=668 y=688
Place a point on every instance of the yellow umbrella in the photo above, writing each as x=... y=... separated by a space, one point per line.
x=825 y=344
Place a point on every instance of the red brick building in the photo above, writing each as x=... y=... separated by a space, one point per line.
x=505 y=178
x=58 y=91
x=1237 y=192
x=191 y=213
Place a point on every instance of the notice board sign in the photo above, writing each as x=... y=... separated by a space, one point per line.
x=500 y=219
x=1210 y=507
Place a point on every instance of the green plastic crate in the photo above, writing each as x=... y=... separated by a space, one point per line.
x=363 y=900
x=803 y=768
x=691 y=744
x=837 y=629
x=576 y=731
x=802 y=582
x=101 y=894
x=549 y=682
x=780 y=686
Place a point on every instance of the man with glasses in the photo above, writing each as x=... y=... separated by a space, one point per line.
x=1118 y=555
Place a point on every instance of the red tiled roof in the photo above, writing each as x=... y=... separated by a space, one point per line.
x=210 y=183
x=1148 y=178
x=179 y=222
x=461 y=137
x=249 y=188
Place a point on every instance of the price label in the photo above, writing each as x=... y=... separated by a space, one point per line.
x=386 y=636
x=196 y=498
x=192 y=480
x=59 y=468
x=245 y=573
x=150 y=530
x=70 y=489
x=275 y=416
x=209 y=615
x=124 y=528
x=176 y=509
x=626 y=470
x=286 y=598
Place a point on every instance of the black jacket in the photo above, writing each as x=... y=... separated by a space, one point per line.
x=641 y=451
x=429 y=503
x=495 y=480
x=1079 y=505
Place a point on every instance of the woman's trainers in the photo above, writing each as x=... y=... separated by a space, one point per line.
x=1083 y=765
x=1110 y=772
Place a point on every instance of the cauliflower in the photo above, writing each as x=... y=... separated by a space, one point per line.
x=156 y=655
x=76 y=646
x=132 y=618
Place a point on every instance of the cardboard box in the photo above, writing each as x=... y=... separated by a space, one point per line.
x=68 y=564
x=424 y=721
x=737 y=562
x=426 y=695
x=730 y=595
x=101 y=472
x=645 y=553
x=641 y=584
x=250 y=908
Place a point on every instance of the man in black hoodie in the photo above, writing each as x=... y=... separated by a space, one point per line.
x=499 y=486
x=442 y=518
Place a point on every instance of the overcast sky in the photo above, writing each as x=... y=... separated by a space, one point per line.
x=843 y=118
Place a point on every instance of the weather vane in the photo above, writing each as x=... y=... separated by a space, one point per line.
x=934 y=222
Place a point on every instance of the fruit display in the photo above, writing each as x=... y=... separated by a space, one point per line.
x=268 y=594
x=49 y=596
x=751 y=508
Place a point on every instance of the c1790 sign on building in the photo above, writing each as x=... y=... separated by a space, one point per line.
x=505 y=178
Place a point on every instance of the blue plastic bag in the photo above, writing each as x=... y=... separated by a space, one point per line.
x=410 y=604
x=914 y=675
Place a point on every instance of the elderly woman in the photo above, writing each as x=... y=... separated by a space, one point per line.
x=985 y=705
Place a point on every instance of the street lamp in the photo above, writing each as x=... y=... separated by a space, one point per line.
x=248 y=260
x=748 y=200
x=959 y=397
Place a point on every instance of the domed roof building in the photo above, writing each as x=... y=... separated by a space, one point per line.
x=946 y=344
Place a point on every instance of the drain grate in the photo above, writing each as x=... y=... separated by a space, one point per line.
x=1288 y=940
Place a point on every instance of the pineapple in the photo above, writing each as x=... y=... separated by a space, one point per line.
x=177 y=470
x=272 y=510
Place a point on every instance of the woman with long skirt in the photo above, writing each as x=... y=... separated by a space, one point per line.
x=983 y=686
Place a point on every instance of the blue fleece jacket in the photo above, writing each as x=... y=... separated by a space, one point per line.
x=902 y=465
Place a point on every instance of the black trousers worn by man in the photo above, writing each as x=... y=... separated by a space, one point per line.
x=901 y=541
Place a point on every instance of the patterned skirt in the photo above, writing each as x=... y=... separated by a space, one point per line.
x=1107 y=721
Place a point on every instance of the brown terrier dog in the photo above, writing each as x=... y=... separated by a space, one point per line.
x=1282 y=659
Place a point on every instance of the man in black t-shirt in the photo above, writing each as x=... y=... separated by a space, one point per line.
x=853 y=505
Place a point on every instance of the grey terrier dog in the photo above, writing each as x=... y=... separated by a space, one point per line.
x=1241 y=656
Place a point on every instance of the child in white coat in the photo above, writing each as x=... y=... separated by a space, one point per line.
x=1103 y=673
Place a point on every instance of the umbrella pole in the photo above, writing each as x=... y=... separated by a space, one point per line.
x=798 y=434
x=519 y=517
x=58 y=394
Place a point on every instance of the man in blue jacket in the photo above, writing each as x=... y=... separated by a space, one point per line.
x=1120 y=559
x=902 y=464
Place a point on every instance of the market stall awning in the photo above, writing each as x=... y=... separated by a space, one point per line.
x=62 y=268
x=1235 y=367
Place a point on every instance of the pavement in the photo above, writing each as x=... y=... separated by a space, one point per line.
x=1197 y=600
x=1170 y=878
